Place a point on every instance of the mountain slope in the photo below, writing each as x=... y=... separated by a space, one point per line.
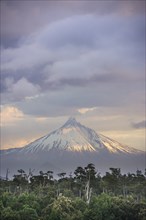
x=73 y=136
x=70 y=146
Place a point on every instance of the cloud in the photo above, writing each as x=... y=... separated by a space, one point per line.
x=20 y=90
x=75 y=51
x=76 y=30
x=67 y=100
x=9 y=115
x=85 y=110
x=86 y=32
x=35 y=15
x=139 y=125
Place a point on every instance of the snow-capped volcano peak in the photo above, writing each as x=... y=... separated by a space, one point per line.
x=70 y=146
x=71 y=122
x=73 y=136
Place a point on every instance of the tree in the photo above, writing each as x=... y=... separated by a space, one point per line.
x=62 y=209
x=61 y=175
x=80 y=179
x=112 y=180
x=90 y=173
x=50 y=174
x=28 y=213
x=8 y=214
x=20 y=179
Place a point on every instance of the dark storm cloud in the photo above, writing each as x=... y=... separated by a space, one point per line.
x=139 y=125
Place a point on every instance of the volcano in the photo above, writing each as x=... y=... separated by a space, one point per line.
x=70 y=146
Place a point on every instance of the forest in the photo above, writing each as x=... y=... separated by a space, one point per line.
x=84 y=194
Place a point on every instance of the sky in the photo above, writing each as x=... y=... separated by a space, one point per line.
x=72 y=58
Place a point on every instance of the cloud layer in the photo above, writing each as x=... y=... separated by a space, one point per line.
x=76 y=51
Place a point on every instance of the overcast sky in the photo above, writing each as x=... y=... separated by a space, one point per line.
x=72 y=58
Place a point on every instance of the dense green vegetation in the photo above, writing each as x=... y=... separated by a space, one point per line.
x=84 y=195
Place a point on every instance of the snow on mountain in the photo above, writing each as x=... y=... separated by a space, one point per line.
x=73 y=136
x=70 y=146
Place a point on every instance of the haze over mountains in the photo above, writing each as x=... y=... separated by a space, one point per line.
x=70 y=146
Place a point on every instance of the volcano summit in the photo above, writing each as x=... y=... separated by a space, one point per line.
x=70 y=146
